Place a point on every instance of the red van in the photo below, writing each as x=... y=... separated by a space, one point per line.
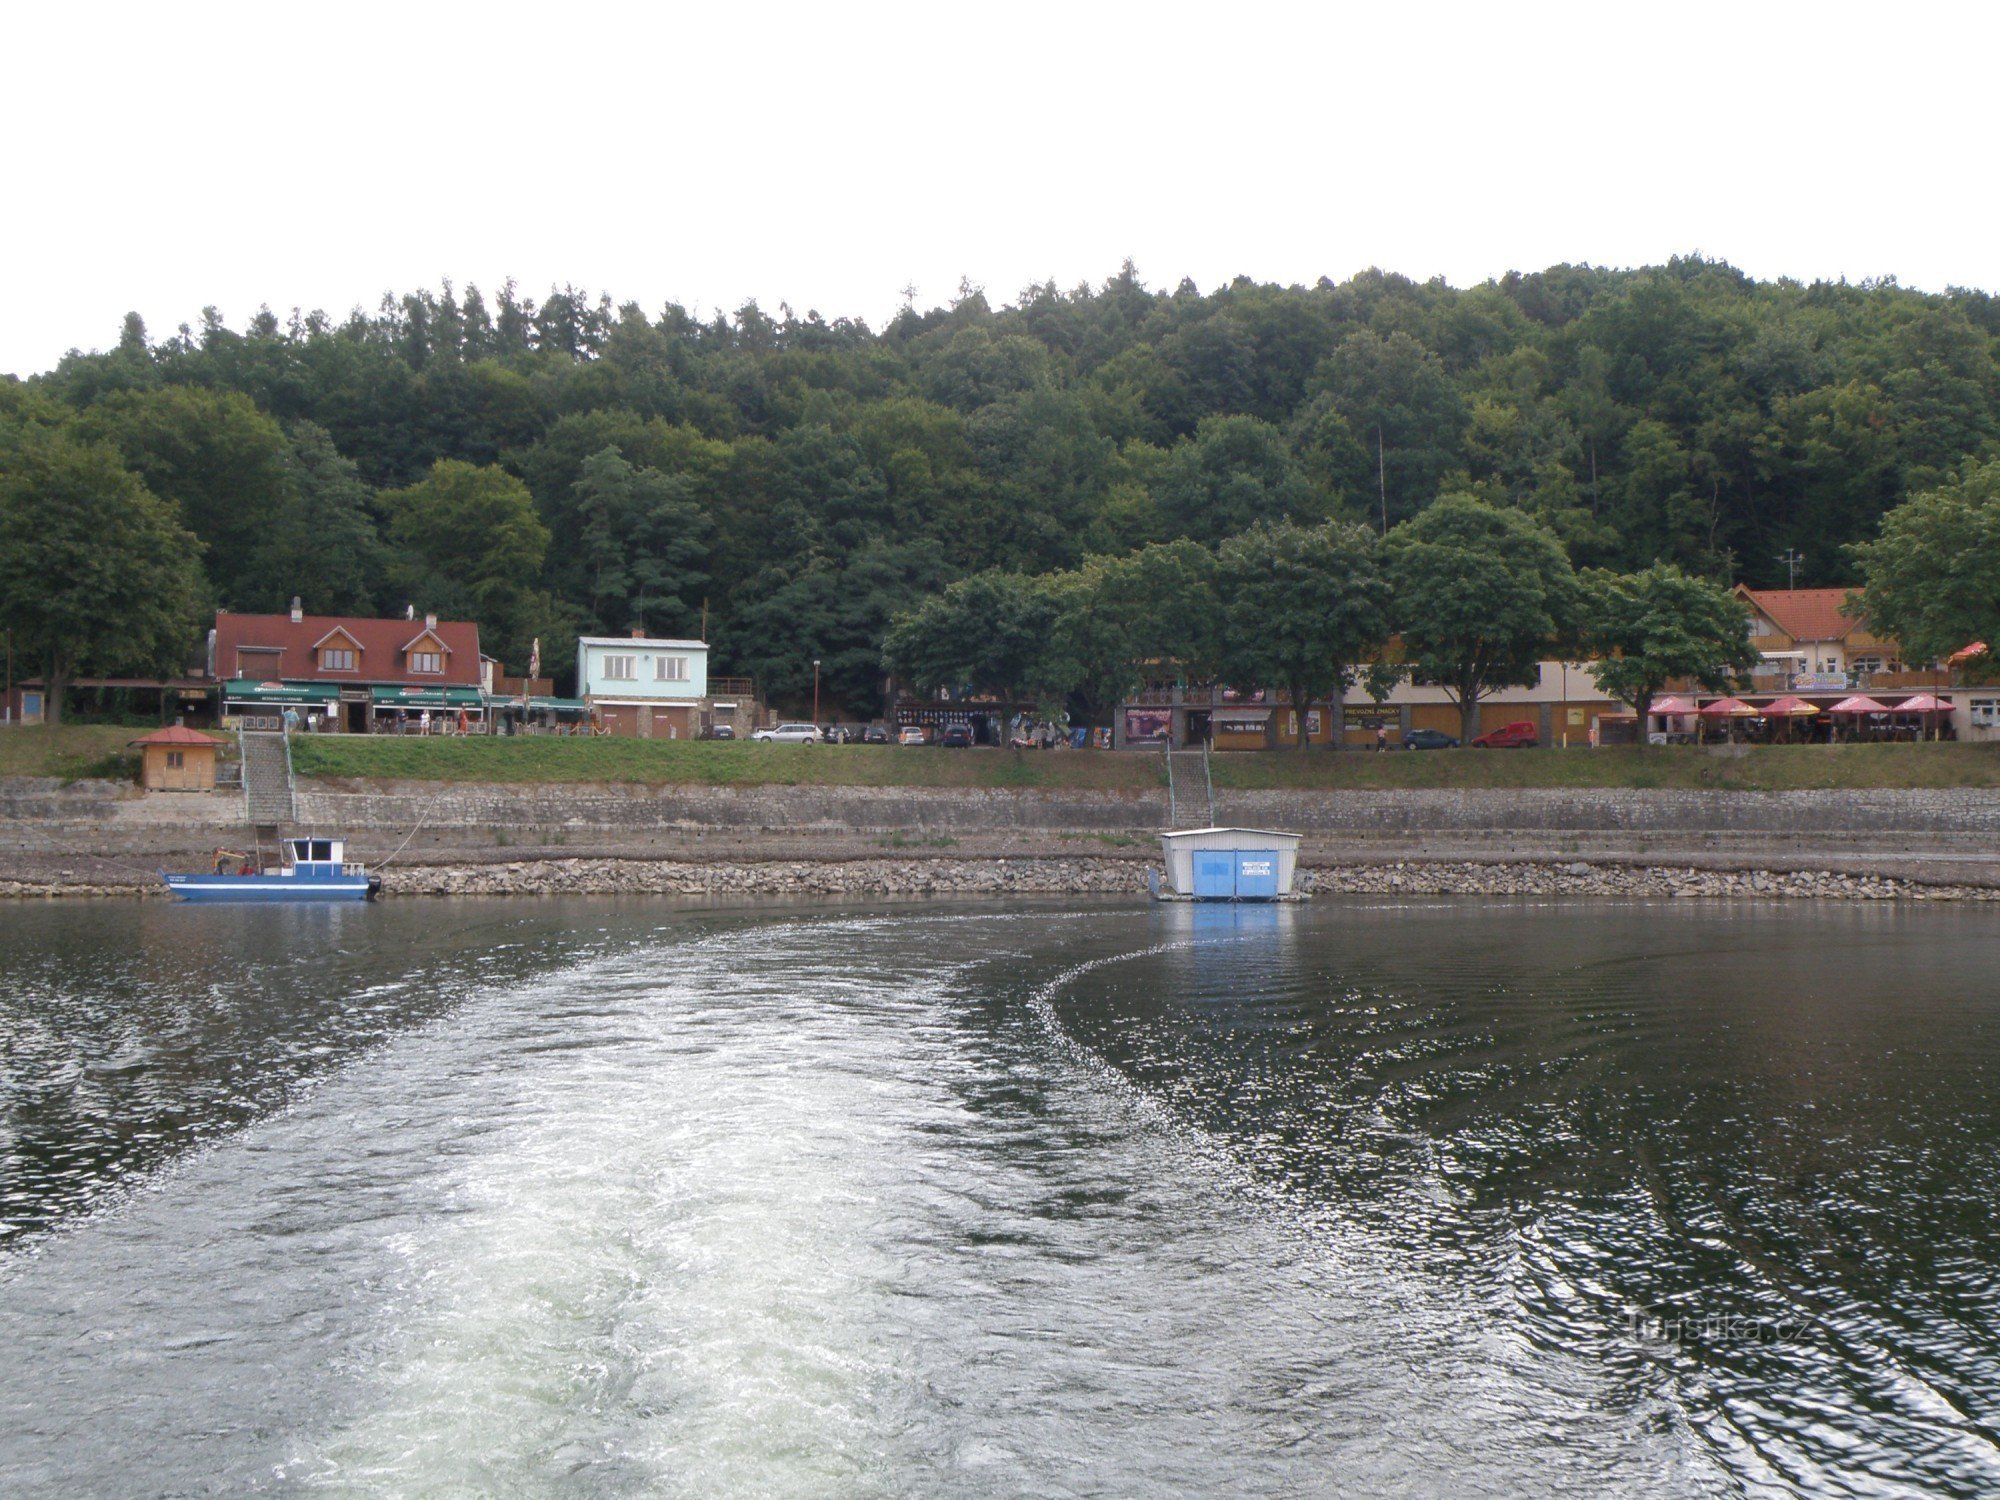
x=1519 y=735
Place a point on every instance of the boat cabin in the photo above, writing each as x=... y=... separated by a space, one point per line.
x=310 y=856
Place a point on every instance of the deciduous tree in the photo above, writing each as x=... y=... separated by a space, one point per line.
x=1482 y=595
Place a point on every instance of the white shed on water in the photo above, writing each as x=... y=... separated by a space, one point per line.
x=1229 y=864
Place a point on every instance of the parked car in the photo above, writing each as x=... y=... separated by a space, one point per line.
x=840 y=734
x=956 y=737
x=789 y=734
x=910 y=734
x=1429 y=739
x=875 y=734
x=717 y=732
x=1519 y=735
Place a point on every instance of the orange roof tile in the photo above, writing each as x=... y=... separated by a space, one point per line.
x=1805 y=614
x=178 y=734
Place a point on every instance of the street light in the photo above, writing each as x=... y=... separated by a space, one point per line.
x=815 y=690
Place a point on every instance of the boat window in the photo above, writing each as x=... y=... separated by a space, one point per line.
x=299 y=849
x=322 y=849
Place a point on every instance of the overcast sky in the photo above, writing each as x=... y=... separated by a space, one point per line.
x=165 y=157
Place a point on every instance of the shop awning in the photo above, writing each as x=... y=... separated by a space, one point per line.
x=437 y=697
x=560 y=705
x=279 y=692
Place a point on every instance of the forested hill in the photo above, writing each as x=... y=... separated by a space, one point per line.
x=604 y=467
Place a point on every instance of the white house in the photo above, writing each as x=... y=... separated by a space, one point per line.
x=642 y=685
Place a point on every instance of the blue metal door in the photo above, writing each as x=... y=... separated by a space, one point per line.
x=1256 y=874
x=1214 y=875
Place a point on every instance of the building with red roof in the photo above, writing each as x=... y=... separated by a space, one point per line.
x=345 y=671
x=1810 y=641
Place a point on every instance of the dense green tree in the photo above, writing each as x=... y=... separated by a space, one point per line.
x=1647 y=629
x=319 y=542
x=1300 y=606
x=218 y=458
x=97 y=574
x=644 y=538
x=1482 y=596
x=1117 y=619
x=1233 y=473
x=471 y=541
x=1933 y=575
x=1401 y=407
x=988 y=632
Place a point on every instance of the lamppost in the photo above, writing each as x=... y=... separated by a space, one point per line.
x=815 y=691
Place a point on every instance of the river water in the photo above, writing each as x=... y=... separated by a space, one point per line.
x=1367 y=1197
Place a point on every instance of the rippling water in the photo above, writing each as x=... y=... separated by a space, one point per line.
x=603 y=1198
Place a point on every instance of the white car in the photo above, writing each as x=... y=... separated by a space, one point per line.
x=790 y=734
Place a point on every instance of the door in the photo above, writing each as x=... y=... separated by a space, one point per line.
x=1214 y=875
x=1256 y=874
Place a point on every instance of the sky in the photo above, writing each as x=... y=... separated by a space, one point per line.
x=168 y=158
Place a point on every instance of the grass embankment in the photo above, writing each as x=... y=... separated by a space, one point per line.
x=71 y=752
x=1765 y=768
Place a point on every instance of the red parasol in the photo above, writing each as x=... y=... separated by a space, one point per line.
x=1727 y=708
x=1780 y=708
x=1858 y=705
x=1923 y=703
x=1672 y=705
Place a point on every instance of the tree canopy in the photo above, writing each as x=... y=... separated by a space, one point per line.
x=1483 y=595
x=809 y=477
x=1646 y=629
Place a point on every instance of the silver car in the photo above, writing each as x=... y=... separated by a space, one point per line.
x=789 y=734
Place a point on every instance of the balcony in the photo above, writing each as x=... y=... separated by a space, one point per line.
x=732 y=687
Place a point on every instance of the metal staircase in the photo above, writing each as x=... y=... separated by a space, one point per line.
x=1195 y=794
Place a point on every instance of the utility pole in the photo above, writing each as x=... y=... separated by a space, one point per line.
x=1382 y=477
x=1793 y=561
x=815 y=691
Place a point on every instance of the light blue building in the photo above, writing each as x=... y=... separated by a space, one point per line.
x=641 y=686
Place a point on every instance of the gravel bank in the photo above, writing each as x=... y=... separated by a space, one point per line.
x=1071 y=875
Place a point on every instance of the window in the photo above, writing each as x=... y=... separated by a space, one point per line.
x=336 y=659
x=176 y=759
x=619 y=668
x=258 y=663
x=1986 y=712
x=426 y=661
x=670 y=669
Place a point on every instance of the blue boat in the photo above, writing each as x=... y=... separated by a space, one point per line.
x=314 y=869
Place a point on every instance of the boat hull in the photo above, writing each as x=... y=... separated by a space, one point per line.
x=273 y=887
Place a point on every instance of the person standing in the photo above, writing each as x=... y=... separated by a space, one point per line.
x=1381 y=738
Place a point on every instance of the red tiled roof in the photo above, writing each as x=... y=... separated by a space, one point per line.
x=1805 y=614
x=381 y=656
x=178 y=734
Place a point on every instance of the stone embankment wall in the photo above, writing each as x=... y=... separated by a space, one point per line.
x=98 y=837
x=801 y=809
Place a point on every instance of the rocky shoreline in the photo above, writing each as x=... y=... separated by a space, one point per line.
x=974 y=876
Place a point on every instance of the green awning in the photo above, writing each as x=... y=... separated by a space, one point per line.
x=561 y=705
x=245 y=691
x=437 y=697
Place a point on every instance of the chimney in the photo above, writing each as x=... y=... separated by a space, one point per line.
x=430 y=622
x=298 y=610
x=638 y=632
x=409 y=611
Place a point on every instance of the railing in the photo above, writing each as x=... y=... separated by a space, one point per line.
x=732 y=687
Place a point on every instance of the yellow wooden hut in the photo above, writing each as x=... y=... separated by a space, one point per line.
x=178 y=759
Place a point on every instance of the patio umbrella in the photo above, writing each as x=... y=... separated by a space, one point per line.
x=1858 y=705
x=1672 y=705
x=1727 y=708
x=1923 y=703
x=1788 y=709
